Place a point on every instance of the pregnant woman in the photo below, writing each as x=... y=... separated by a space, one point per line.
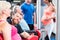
x=48 y=16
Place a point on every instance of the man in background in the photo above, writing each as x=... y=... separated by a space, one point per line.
x=29 y=13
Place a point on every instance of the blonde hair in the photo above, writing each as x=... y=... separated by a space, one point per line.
x=4 y=5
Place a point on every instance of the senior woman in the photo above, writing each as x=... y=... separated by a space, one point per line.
x=8 y=32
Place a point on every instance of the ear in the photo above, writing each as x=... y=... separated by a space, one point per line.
x=3 y=12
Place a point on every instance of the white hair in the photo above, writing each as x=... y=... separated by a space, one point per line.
x=4 y=5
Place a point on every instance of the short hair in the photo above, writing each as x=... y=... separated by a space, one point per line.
x=4 y=5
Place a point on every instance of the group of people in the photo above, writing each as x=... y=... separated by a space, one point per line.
x=15 y=23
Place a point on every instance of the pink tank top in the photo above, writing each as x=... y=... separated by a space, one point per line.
x=47 y=14
x=14 y=34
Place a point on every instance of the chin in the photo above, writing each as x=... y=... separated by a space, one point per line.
x=16 y=23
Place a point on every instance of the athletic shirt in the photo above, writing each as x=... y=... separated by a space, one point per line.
x=47 y=14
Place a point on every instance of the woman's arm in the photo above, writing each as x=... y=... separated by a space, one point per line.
x=6 y=32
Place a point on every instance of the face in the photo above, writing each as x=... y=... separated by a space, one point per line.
x=45 y=1
x=17 y=18
x=7 y=12
x=29 y=1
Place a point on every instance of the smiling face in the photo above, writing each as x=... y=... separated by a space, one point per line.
x=16 y=18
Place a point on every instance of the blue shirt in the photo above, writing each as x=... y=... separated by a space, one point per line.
x=28 y=10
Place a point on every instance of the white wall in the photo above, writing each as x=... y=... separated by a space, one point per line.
x=58 y=29
x=38 y=14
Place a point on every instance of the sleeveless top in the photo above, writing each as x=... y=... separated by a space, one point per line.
x=47 y=15
x=14 y=34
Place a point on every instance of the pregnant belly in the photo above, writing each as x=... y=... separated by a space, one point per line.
x=16 y=37
x=46 y=22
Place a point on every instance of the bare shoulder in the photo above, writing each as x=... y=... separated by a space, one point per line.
x=5 y=26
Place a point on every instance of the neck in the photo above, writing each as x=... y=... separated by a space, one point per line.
x=3 y=18
x=48 y=4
